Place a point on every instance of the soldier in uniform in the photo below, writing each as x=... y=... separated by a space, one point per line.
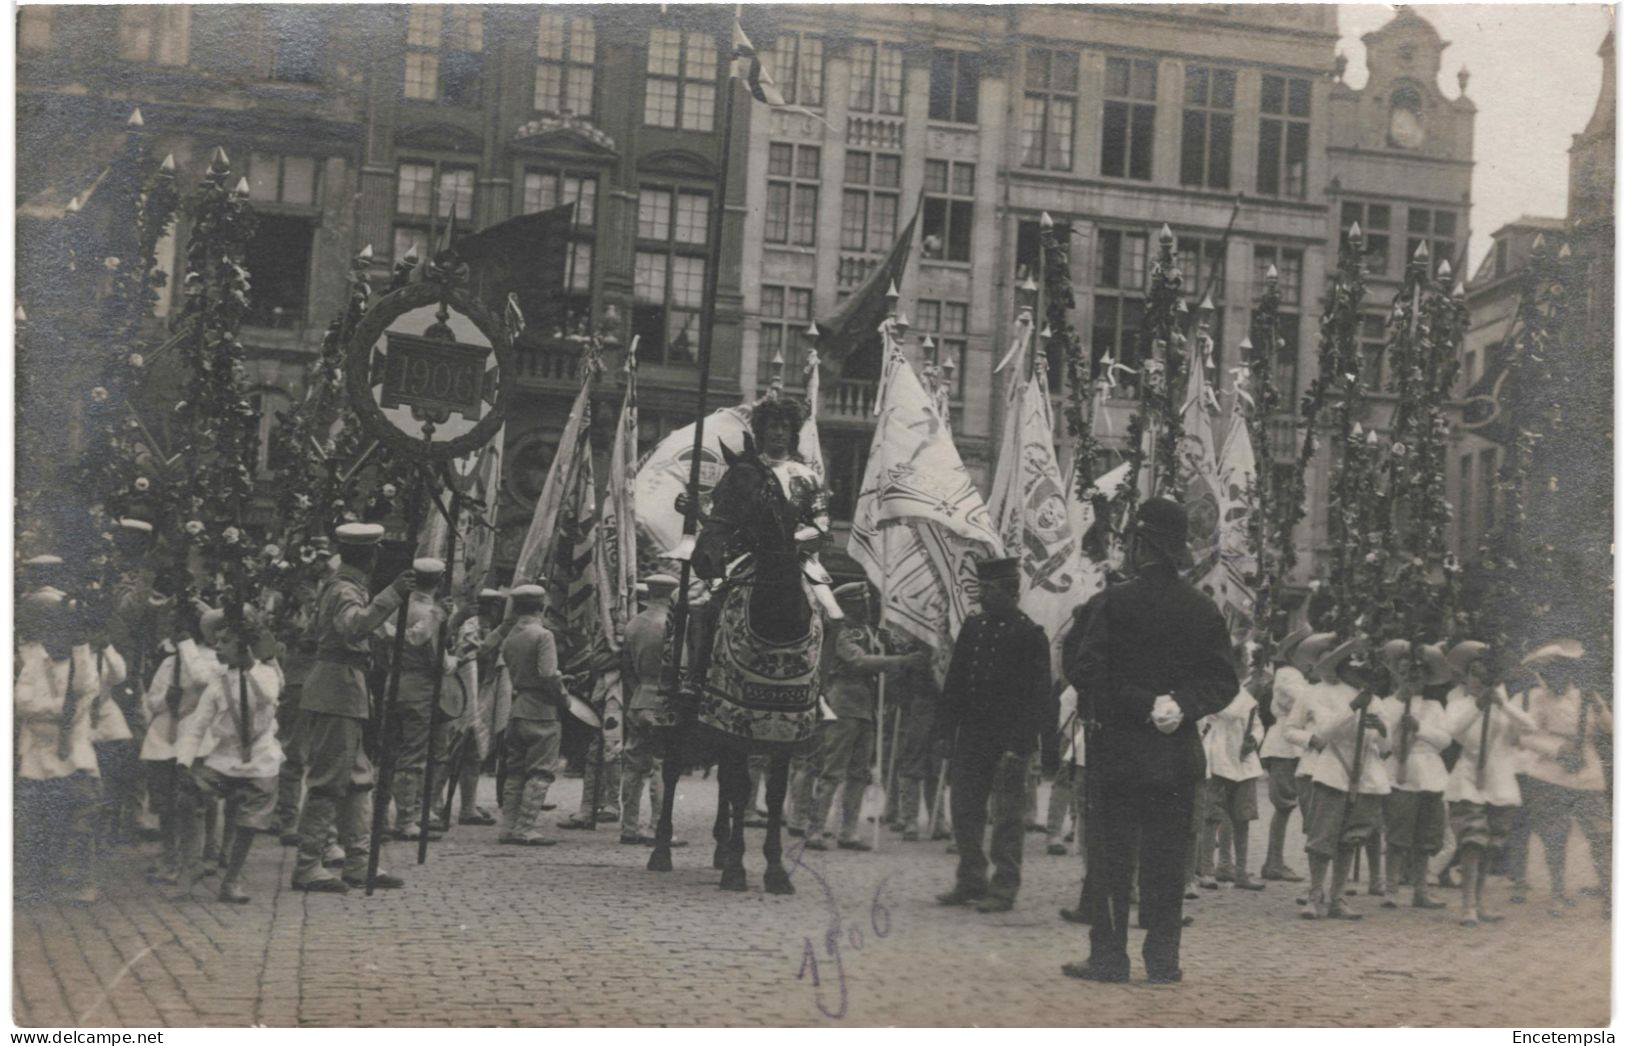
x=533 y=732
x=297 y=659
x=641 y=654
x=1149 y=658
x=995 y=703
x=846 y=753
x=479 y=639
x=336 y=707
x=421 y=665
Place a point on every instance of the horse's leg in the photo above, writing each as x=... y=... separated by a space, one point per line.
x=671 y=771
x=777 y=880
x=719 y=827
x=733 y=774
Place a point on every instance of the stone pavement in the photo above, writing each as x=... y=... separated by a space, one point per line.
x=580 y=934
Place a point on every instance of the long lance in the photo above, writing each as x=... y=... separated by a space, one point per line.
x=436 y=715
x=392 y=690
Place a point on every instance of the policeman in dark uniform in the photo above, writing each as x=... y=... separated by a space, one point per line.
x=1149 y=658
x=995 y=702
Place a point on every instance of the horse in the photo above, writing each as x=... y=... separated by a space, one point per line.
x=752 y=685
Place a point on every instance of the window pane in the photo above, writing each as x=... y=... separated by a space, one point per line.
x=1143 y=84
x=693 y=211
x=779 y=160
x=654 y=214
x=649 y=278
x=584 y=193
x=776 y=227
x=1297 y=159
x=1273 y=97
x=891 y=79
x=1032 y=130
x=1269 y=157
x=1135 y=271
x=581 y=267
x=1298 y=98
x=942 y=85
x=1064 y=71
x=1060 y=134
x=804 y=217
x=412 y=192
x=665 y=50
x=1220 y=128
x=883 y=222
x=1223 y=94
x=578 y=99
x=699 y=106
x=936 y=176
x=811 y=68
x=888 y=171
x=1117 y=77
x=1108 y=247
x=660 y=103
x=456 y=193
x=800 y=306
x=408 y=241
x=700 y=61
x=857 y=168
x=772 y=300
x=541 y=192
x=854 y=220
x=583 y=39
x=687 y=280
x=1037 y=69
x=1114 y=140
x=928 y=314
x=807 y=161
x=965 y=90
x=1193 y=148
x=1444 y=223
x=1420 y=220
x=299 y=180
x=466 y=28
x=959 y=225
x=965 y=179
x=135 y=33
x=954 y=317
x=549 y=88
x=1377 y=215
x=422 y=75
x=423 y=25
x=1143 y=120
x=550 y=37
x=1196 y=85
x=861 y=90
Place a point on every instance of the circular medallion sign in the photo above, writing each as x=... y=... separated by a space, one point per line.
x=428 y=371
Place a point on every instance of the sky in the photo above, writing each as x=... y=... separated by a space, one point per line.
x=1535 y=79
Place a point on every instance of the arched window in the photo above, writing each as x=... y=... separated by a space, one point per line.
x=1405 y=128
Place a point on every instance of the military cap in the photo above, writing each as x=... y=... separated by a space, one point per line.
x=1558 y=650
x=140 y=526
x=43 y=561
x=492 y=595
x=1007 y=568
x=428 y=566
x=528 y=594
x=660 y=583
x=359 y=534
x=45 y=598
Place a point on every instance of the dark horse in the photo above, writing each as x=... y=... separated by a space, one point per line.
x=751 y=686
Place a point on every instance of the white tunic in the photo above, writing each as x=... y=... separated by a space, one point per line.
x=212 y=732
x=1498 y=785
x=1335 y=723
x=40 y=696
x=1227 y=730
x=1558 y=717
x=198 y=667
x=1424 y=770
x=1289 y=685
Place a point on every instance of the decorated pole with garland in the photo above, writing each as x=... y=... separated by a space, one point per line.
x=1269 y=529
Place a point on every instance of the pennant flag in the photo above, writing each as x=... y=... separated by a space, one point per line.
x=617 y=560
x=1034 y=509
x=481 y=539
x=855 y=323
x=523 y=256
x=812 y=451
x=748 y=66
x=542 y=538
x=1232 y=579
x=663 y=474
x=919 y=526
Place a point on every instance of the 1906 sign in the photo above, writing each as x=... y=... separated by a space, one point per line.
x=426 y=369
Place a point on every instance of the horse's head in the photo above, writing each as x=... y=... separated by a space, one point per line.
x=749 y=513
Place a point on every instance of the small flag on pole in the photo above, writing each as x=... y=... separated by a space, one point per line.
x=748 y=66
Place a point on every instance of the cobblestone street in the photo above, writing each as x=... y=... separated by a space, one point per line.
x=580 y=935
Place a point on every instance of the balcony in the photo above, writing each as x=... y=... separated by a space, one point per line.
x=874 y=132
x=852 y=269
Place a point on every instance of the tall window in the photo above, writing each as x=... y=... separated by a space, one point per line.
x=946 y=322
x=786 y=314
x=1438 y=229
x=298 y=38
x=869 y=201
x=668 y=273
x=956 y=80
x=950 y=199
x=792 y=194
x=545 y=189
x=1121 y=271
x=1283 y=137
x=1376 y=221
x=428 y=192
x=286 y=191
x=797 y=65
x=681 y=88
x=876 y=85
x=444 y=53
x=1288 y=264
x=1130 y=118
x=1049 y=108
x=34 y=27
x=155 y=33
x=1373 y=343
x=1209 y=124
x=565 y=51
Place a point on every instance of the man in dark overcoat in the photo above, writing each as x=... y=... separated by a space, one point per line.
x=1149 y=658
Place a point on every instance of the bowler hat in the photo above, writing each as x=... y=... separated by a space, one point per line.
x=1165 y=526
x=1005 y=568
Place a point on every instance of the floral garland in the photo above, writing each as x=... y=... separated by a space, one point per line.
x=1161 y=385
x=1269 y=530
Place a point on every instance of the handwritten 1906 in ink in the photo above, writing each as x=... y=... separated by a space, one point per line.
x=839 y=933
